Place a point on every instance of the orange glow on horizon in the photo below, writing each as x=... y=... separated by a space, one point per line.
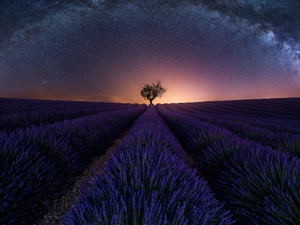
x=181 y=86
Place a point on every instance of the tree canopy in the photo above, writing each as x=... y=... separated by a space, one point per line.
x=150 y=92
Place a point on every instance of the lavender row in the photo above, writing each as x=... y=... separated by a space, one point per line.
x=12 y=106
x=234 y=113
x=281 y=141
x=147 y=181
x=286 y=106
x=253 y=107
x=273 y=124
x=43 y=117
x=259 y=185
x=36 y=162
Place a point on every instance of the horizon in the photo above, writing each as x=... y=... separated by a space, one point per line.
x=147 y=103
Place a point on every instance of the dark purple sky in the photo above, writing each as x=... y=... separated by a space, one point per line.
x=107 y=50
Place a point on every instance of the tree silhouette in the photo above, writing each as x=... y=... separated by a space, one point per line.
x=150 y=92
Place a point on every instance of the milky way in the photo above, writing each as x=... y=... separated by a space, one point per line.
x=106 y=51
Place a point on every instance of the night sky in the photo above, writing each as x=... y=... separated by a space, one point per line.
x=100 y=50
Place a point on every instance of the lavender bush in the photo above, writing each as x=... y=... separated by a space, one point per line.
x=262 y=185
x=284 y=141
x=36 y=162
x=44 y=117
x=259 y=184
x=14 y=106
x=147 y=181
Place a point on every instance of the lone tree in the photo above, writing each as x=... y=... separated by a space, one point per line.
x=150 y=92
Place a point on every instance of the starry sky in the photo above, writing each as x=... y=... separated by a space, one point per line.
x=200 y=50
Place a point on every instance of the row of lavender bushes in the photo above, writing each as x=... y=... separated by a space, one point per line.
x=273 y=124
x=268 y=108
x=147 y=180
x=11 y=122
x=36 y=162
x=11 y=106
x=277 y=140
x=277 y=122
x=258 y=184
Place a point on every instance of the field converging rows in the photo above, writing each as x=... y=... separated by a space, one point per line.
x=234 y=162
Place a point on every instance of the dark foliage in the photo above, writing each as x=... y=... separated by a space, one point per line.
x=277 y=133
x=263 y=185
x=36 y=162
x=150 y=92
x=147 y=181
x=28 y=117
x=259 y=184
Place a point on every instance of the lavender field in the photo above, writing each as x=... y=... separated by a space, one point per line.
x=225 y=162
